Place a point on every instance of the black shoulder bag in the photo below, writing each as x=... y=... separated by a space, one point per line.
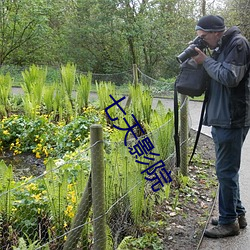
x=192 y=80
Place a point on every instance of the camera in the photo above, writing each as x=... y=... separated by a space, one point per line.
x=190 y=51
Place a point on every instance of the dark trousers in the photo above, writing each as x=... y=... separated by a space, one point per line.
x=228 y=145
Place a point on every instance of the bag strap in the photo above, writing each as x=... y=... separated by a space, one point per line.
x=199 y=127
x=176 y=127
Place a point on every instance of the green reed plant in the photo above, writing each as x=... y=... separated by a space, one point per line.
x=33 y=85
x=141 y=105
x=146 y=100
x=56 y=184
x=135 y=92
x=104 y=90
x=137 y=183
x=83 y=91
x=164 y=194
x=62 y=106
x=48 y=98
x=68 y=74
x=162 y=127
x=6 y=184
x=123 y=177
x=58 y=102
x=5 y=90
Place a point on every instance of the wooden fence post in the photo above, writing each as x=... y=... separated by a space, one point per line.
x=98 y=195
x=184 y=135
x=135 y=74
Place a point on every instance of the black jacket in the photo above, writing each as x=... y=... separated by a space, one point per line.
x=229 y=90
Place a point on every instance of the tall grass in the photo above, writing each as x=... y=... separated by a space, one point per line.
x=141 y=102
x=6 y=197
x=62 y=101
x=68 y=74
x=162 y=123
x=33 y=86
x=104 y=90
x=83 y=91
x=5 y=90
x=123 y=180
x=48 y=98
x=56 y=187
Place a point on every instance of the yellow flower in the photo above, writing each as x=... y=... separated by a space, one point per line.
x=14 y=209
x=31 y=186
x=45 y=151
x=16 y=152
x=69 y=211
x=37 y=196
x=38 y=155
x=6 y=132
x=73 y=199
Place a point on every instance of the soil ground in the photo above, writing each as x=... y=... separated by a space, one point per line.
x=187 y=222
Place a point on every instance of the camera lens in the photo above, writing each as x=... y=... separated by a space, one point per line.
x=190 y=51
x=187 y=53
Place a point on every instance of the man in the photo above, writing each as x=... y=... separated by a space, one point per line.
x=228 y=112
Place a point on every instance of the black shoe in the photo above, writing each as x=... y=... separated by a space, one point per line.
x=221 y=231
x=241 y=219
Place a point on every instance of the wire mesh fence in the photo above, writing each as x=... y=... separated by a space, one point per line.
x=159 y=87
x=47 y=210
x=56 y=209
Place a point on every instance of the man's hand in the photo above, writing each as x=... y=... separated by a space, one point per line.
x=200 y=58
